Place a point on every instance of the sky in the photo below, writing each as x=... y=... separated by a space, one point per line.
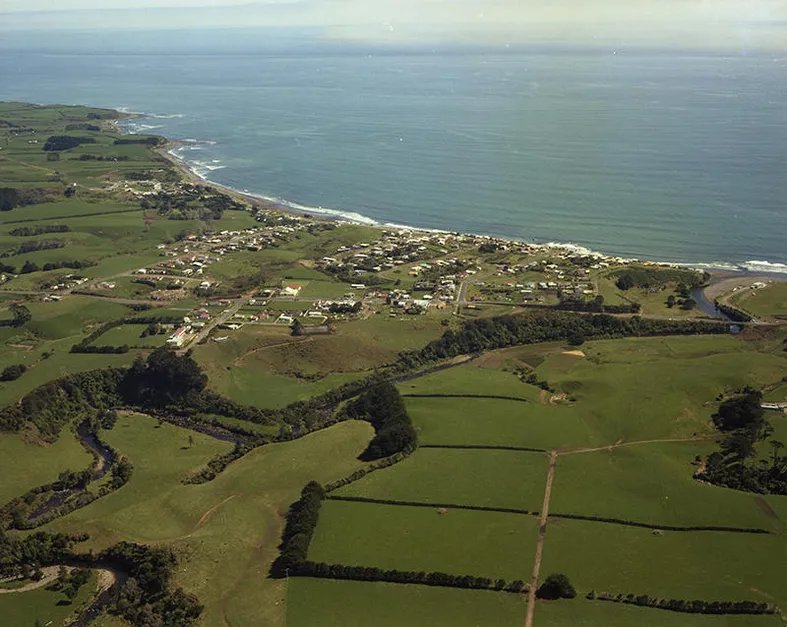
x=716 y=23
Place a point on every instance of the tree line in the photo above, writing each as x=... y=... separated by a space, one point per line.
x=31 y=266
x=632 y=523
x=35 y=245
x=299 y=529
x=543 y=326
x=29 y=231
x=694 y=606
x=421 y=578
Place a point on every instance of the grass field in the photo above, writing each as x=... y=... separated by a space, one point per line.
x=42 y=463
x=651 y=483
x=327 y=603
x=266 y=366
x=471 y=378
x=225 y=532
x=765 y=302
x=686 y=565
x=487 y=544
x=129 y=334
x=23 y=609
x=583 y=613
x=464 y=477
x=493 y=422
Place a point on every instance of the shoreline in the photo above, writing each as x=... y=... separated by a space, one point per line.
x=732 y=275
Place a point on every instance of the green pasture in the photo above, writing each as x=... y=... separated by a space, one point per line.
x=130 y=334
x=487 y=544
x=625 y=390
x=267 y=389
x=74 y=315
x=48 y=607
x=330 y=603
x=580 y=612
x=225 y=532
x=488 y=478
x=653 y=484
x=682 y=565
x=146 y=507
x=471 y=379
x=494 y=422
x=25 y=465
x=765 y=302
x=60 y=364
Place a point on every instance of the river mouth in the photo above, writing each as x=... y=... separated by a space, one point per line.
x=706 y=306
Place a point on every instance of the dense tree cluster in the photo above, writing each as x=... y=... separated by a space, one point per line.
x=301 y=522
x=742 y=420
x=9 y=198
x=66 y=142
x=688 y=606
x=556 y=586
x=146 y=597
x=20 y=316
x=649 y=277
x=163 y=379
x=13 y=372
x=383 y=406
x=21 y=553
x=51 y=406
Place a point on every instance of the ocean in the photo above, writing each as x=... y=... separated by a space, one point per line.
x=663 y=155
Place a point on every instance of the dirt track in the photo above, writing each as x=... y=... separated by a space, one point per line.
x=542 y=529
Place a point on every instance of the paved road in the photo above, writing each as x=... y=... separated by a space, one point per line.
x=220 y=319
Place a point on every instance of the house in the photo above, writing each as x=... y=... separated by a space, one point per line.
x=291 y=290
x=177 y=338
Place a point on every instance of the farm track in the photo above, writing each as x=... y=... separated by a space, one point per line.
x=542 y=529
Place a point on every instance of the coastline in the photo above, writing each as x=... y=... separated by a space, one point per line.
x=731 y=276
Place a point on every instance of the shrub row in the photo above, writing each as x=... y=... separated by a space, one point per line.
x=476 y=508
x=218 y=463
x=484 y=447
x=688 y=606
x=372 y=573
x=488 y=396
x=631 y=523
x=362 y=472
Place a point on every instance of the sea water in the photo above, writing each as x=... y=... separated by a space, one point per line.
x=658 y=154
